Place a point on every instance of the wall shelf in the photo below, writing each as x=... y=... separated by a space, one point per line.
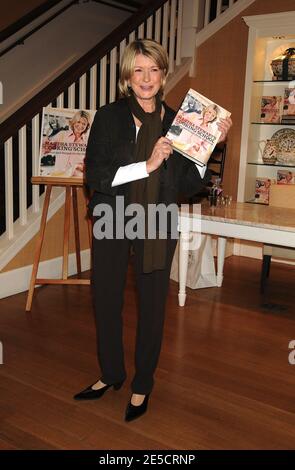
x=269 y=36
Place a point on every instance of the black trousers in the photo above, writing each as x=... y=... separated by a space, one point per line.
x=110 y=263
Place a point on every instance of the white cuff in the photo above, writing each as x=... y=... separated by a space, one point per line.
x=132 y=172
x=202 y=170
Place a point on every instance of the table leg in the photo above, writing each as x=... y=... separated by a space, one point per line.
x=183 y=264
x=220 y=259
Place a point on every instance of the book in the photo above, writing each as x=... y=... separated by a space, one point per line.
x=63 y=142
x=285 y=177
x=271 y=109
x=289 y=104
x=262 y=187
x=194 y=132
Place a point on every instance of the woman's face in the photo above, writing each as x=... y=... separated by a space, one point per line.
x=80 y=125
x=146 y=79
x=209 y=115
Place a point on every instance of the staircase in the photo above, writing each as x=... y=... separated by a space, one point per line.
x=89 y=83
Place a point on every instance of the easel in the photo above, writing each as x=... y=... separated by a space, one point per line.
x=71 y=185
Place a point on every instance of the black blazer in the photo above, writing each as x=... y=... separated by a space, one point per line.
x=111 y=145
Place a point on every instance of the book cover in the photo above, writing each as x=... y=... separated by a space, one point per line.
x=63 y=142
x=285 y=177
x=194 y=131
x=271 y=109
x=289 y=103
x=262 y=187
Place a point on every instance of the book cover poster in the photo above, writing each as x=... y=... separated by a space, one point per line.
x=63 y=142
x=285 y=177
x=271 y=109
x=262 y=188
x=194 y=131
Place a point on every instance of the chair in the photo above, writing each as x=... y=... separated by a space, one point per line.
x=280 y=196
x=216 y=166
x=217 y=160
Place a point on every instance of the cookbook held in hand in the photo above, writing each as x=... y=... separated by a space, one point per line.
x=194 y=132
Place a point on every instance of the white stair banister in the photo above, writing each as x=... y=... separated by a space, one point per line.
x=35 y=161
x=122 y=48
x=8 y=188
x=165 y=26
x=93 y=81
x=219 y=8
x=22 y=166
x=103 y=81
x=172 y=36
x=158 y=25
x=149 y=28
x=207 y=12
x=140 y=33
x=82 y=91
x=60 y=101
x=192 y=22
x=71 y=96
x=113 y=75
x=179 y=32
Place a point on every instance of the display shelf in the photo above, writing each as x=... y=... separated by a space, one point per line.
x=279 y=82
x=271 y=164
x=272 y=124
x=269 y=36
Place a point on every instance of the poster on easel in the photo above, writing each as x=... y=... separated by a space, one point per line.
x=64 y=138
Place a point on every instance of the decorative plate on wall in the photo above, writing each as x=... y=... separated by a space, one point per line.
x=285 y=139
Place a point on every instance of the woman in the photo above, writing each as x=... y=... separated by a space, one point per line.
x=125 y=155
x=209 y=115
x=71 y=164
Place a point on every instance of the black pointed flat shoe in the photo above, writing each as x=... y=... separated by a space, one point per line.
x=90 y=394
x=134 y=412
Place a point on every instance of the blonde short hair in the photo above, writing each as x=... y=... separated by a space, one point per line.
x=77 y=116
x=151 y=49
x=212 y=106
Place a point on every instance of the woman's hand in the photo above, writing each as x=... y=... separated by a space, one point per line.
x=161 y=151
x=224 y=126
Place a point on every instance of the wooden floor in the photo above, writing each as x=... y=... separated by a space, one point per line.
x=223 y=381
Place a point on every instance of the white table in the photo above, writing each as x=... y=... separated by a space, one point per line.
x=245 y=221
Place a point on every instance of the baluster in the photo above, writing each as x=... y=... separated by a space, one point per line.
x=71 y=96
x=93 y=81
x=103 y=81
x=179 y=32
x=60 y=101
x=140 y=33
x=132 y=36
x=35 y=161
x=8 y=188
x=113 y=75
x=218 y=8
x=122 y=48
x=165 y=26
x=149 y=28
x=158 y=25
x=172 y=36
x=82 y=91
x=22 y=158
x=207 y=12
